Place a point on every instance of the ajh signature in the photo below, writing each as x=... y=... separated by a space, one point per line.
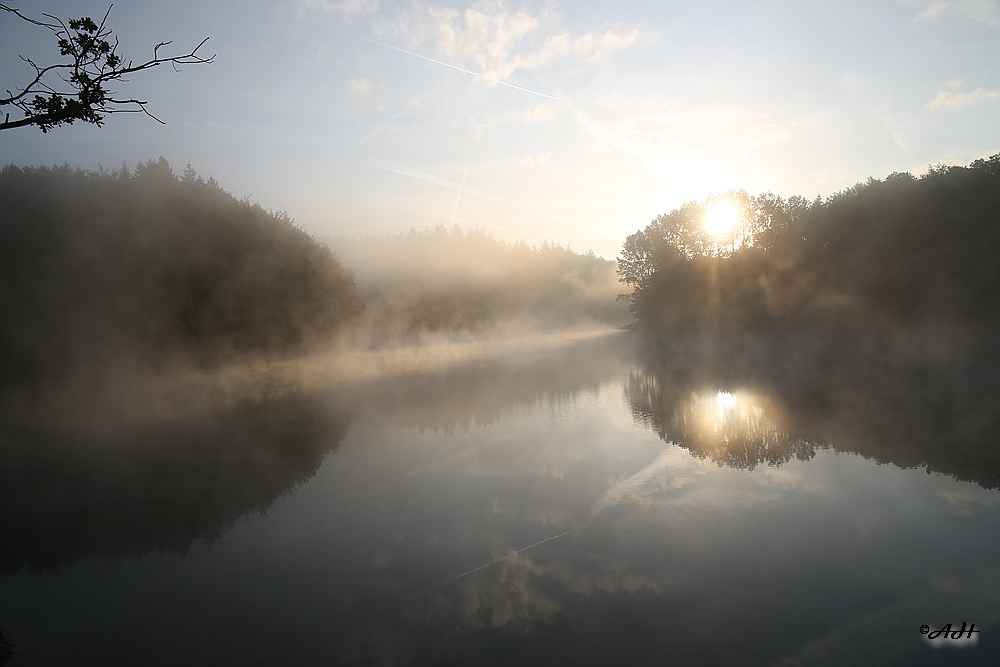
x=950 y=636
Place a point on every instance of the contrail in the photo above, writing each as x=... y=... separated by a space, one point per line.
x=460 y=69
x=423 y=176
x=454 y=211
x=547 y=539
x=492 y=562
x=380 y=127
x=471 y=449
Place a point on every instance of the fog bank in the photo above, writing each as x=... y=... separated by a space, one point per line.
x=436 y=283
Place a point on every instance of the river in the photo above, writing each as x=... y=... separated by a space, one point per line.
x=556 y=501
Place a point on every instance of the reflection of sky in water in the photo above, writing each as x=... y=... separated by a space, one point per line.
x=560 y=530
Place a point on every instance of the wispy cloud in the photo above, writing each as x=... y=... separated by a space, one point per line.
x=498 y=42
x=931 y=12
x=956 y=100
x=455 y=67
x=963 y=496
x=541 y=113
x=426 y=177
x=981 y=11
x=345 y=7
x=359 y=87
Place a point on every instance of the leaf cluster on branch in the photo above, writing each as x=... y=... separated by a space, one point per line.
x=78 y=87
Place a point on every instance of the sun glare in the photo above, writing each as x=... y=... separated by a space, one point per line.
x=721 y=218
x=725 y=401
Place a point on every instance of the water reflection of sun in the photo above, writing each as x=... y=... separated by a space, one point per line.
x=720 y=419
x=740 y=428
x=725 y=400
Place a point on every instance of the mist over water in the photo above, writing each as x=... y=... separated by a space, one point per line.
x=568 y=340
x=446 y=283
x=557 y=500
x=482 y=465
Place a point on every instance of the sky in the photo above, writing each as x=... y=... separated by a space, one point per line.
x=569 y=121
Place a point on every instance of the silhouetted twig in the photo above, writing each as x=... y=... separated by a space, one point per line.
x=77 y=89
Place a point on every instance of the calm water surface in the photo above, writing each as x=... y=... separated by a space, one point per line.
x=566 y=505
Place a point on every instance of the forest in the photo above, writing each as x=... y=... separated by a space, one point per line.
x=906 y=266
x=111 y=278
x=870 y=316
x=105 y=273
x=142 y=269
x=445 y=282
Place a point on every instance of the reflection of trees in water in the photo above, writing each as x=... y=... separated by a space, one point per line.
x=938 y=417
x=6 y=650
x=64 y=497
x=738 y=429
x=478 y=392
x=71 y=493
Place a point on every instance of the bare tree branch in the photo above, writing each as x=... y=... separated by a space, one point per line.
x=92 y=63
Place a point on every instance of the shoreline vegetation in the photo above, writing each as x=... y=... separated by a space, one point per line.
x=104 y=275
x=183 y=331
x=905 y=258
x=871 y=317
x=113 y=281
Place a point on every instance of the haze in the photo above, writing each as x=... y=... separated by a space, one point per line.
x=555 y=333
x=582 y=121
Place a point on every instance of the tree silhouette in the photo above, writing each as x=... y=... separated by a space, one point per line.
x=77 y=89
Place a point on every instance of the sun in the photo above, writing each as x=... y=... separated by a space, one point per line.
x=721 y=218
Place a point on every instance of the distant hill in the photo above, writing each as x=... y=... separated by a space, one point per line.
x=441 y=281
x=141 y=269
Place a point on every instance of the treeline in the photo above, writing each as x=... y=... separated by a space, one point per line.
x=444 y=281
x=871 y=317
x=143 y=268
x=909 y=265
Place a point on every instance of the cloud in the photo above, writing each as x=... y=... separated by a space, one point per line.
x=497 y=42
x=981 y=11
x=345 y=7
x=359 y=87
x=540 y=114
x=524 y=593
x=931 y=12
x=956 y=100
x=477 y=127
x=672 y=469
x=968 y=496
x=781 y=478
x=321 y=51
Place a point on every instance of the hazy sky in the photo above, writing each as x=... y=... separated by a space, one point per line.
x=571 y=121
